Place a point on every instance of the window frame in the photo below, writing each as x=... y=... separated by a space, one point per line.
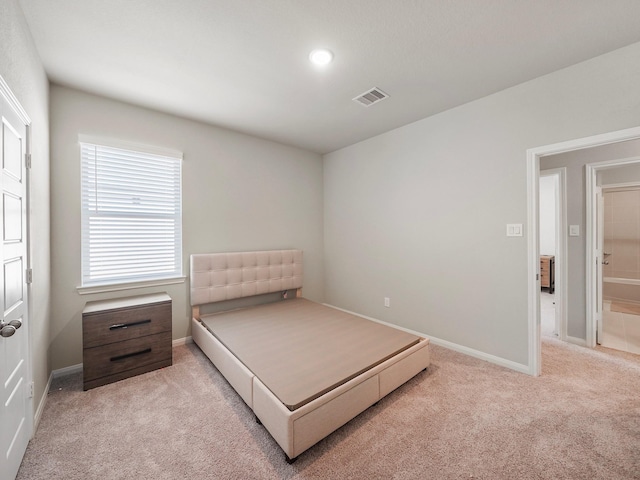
x=118 y=282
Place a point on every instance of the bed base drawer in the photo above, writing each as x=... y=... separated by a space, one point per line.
x=317 y=424
x=405 y=368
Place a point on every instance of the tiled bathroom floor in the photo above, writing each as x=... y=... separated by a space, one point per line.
x=620 y=331
x=548 y=314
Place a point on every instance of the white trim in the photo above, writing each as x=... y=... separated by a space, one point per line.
x=590 y=265
x=41 y=404
x=70 y=370
x=624 y=281
x=43 y=400
x=577 y=341
x=181 y=341
x=612 y=187
x=533 y=264
x=140 y=147
x=449 y=345
x=533 y=168
x=129 y=286
x=6 y=92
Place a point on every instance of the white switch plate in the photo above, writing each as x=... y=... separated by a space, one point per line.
x=574 y=230
x=387 y=302
x=514 y=229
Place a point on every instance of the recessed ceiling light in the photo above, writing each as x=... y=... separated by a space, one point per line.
x=321 y=56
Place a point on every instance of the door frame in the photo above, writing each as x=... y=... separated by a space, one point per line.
x=12 y=100
x=533 y=215
x=593 y=299
x=560 y=175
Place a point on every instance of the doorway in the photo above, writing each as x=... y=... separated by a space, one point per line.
x=615 y=225
x=533 y=176
x=552 y=244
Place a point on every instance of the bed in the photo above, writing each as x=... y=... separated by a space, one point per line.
x=305 y=369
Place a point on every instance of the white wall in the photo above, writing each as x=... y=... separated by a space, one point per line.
x=548 y=215
x=418 y=214
x=21 y=68
x=620 y=175
x=239 y=193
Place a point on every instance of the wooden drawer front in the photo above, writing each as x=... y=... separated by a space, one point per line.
x=126 y=355
x=117 y=325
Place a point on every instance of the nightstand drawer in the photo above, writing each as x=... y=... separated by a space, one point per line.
x=120 y=357
x=123 y=337
x=115 y=326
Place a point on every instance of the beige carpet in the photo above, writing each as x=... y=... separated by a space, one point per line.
x=463 y=418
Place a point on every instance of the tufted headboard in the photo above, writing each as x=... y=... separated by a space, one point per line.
x=224 y=276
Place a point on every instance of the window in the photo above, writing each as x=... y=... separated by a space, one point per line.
x=131 y=215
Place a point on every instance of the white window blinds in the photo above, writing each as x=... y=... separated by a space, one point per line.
x=131 y=215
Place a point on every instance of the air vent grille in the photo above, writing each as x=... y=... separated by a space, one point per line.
x=370 y=97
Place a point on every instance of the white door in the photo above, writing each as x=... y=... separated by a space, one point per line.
x=599 y=243
x=16 y=416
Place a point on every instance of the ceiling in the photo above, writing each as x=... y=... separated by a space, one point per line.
x=243 y=64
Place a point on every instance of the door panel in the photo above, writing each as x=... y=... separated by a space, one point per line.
x=599 y=243
x=16 y=412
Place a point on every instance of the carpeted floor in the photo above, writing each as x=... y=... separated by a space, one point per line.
x=463 y=418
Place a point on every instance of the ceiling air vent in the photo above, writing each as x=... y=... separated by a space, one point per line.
x=370 y=97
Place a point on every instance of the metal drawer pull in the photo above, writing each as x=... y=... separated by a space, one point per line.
x=127 y=355
x=119 y=326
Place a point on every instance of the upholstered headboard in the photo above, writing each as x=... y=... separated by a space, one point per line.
x=224 y=276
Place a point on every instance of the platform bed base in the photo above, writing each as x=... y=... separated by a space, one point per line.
x=296 y=431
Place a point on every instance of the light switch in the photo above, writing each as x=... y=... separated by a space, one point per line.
x=514 y=229
x=574 y=230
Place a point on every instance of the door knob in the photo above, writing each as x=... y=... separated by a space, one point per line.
x=605 y=262
x=7 y=331
x=17 y=323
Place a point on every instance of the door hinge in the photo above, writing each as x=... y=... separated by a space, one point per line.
x=30 y=390
x=29 y=276
x=27 y=160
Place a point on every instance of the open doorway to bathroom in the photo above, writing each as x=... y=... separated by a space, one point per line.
x=621 y=257
x=578 y=264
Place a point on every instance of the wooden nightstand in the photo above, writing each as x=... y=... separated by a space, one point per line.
x=547 y=272
x=125 y=337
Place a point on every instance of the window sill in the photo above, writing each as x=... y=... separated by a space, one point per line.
x=129 y=286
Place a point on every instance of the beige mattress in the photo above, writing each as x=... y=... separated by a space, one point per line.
x=300 y=349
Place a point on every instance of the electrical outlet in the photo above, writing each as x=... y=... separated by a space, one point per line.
x=387 y=302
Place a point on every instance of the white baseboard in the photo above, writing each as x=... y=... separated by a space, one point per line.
x=41 y=405
x=577 y=341
x=181 y=341
x=503 y=362
x=61 y=372
x=518 y=367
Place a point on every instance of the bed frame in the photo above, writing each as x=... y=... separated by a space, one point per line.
x=219 y=277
